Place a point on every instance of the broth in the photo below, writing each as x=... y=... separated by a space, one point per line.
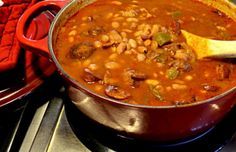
x=135 y=52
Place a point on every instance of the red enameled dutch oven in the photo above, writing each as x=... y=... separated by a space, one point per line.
x=166 y=123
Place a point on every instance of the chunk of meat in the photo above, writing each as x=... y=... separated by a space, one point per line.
x=138 y=76
x=81 y=50
x=89 y=77
x=133 y=77
x=210 y=88
x=95 y=31
x=107 y=45
x=181 y=65
x=176 y=27
x=152 y=54
x=116 y=92
x=173 y=47
x=222 y=72
x=89 y=19
x=219 y=13
x=182 y=102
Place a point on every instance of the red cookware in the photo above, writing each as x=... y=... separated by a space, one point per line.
x=166 y=123
x=30 y=70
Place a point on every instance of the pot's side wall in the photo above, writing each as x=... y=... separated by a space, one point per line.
x=223 y=5
x=159 y=124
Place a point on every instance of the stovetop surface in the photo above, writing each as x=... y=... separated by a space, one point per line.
x=43 y=121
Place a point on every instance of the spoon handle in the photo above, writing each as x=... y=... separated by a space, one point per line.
x=222 y=48
x=205 y=47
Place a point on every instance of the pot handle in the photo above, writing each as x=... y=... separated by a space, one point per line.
x=39 y=46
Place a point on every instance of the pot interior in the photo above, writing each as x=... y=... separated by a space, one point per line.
x=74 y=6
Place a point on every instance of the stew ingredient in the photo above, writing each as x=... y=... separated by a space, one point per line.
x=133 y=51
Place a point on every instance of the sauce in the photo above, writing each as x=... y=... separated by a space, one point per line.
x=135 y=52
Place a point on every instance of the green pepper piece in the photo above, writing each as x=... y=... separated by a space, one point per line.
x=156 y=92
x=162 y=38
x=176 y=14
x=172 y=73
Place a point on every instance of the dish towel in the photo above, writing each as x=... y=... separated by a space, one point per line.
x=10 y=12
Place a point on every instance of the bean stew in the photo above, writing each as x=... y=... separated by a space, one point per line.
x=133 y=51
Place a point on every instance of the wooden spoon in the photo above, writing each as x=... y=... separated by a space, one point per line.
x=205 y=47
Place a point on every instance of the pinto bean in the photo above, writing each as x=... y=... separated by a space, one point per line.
x=112 y=65
x=188 y=77
x=97 y=44
x=81 y=50
x=181 y=54
x=132 y=19
x=71 y=39
x=147 y=42
x=129 y=13
x=142 y=49
x=132 y=43
x=72 y=33
x=179 y=86
x=105 y=38
x=88 y=18
x=116 y=92
x=154 y=45
x=116 y=2
x=115 y=24
x=121 y=48
x=109 y=15
x=115 y=36
x=155 y=29
x=141 y=57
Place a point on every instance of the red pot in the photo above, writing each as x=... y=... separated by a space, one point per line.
x=166 y=123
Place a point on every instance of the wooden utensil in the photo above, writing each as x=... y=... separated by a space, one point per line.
x=206 y=48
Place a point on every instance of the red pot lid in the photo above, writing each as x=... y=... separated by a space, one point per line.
x=31 y=69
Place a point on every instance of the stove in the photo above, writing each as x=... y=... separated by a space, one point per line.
x=44 y=121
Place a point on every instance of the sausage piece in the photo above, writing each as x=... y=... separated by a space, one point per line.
x=116 y=92
x=210 y=88
x=222 y=72
x=89 y=76
x=176 y=27
x=81 y=50
x=95 y=31
x=138 y=75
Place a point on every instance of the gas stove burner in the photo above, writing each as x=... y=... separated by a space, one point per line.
x=95 y=136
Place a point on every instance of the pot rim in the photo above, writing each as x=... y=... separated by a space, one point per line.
x=88 y=91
